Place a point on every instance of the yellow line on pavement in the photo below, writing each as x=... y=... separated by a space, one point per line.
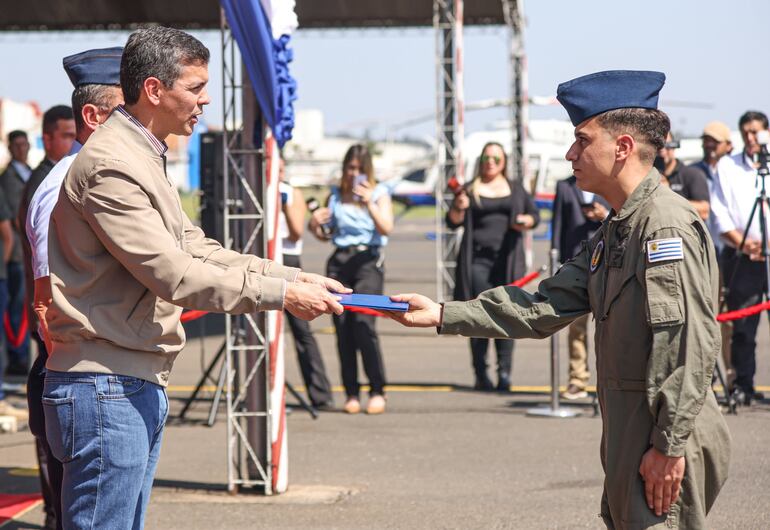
x=427 y=388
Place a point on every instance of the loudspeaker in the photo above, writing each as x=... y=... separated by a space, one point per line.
x=212 y=185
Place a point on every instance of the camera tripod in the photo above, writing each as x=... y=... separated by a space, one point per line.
x=760 y=209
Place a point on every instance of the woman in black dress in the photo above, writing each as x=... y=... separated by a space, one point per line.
x=494 y=212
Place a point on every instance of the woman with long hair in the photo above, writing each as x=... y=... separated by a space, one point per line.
x=494 y=212
x=357 y=219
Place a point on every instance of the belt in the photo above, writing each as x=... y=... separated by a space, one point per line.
x=355 y=249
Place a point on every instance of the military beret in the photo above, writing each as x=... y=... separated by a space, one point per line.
x=592 y=94
x=94 y=67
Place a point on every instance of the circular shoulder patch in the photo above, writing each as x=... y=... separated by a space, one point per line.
x=596 y=257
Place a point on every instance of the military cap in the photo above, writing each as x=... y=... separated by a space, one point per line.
x=94 y=67
x=592 y=94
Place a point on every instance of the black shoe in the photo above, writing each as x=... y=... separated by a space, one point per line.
x=503 y=384
x=484 y=384
x=758 y=396
x=741 y=397
x=325 y=406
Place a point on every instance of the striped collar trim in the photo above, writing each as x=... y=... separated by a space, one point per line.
x=159 y=145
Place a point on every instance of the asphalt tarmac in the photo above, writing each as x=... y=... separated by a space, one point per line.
x=442 y=456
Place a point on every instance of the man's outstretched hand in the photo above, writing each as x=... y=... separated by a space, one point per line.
x=423 y=312
x=327 y=283
x=309 y=300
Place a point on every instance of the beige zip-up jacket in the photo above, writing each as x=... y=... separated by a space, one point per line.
x=125 y=259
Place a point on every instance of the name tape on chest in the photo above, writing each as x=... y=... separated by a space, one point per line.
x=665 y=250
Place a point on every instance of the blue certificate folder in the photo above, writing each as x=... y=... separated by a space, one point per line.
x=372 y=301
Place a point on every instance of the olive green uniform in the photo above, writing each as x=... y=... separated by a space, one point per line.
x=656 y=345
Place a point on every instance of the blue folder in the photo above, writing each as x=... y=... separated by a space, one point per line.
x=373 y=301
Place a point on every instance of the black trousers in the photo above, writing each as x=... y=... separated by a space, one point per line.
x=364 y=273
x=309 y=356
x=745 y=280
x=51 y=470
x=484 y=275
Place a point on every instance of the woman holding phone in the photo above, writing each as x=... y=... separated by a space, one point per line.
x=358 y=218
x=494 y=212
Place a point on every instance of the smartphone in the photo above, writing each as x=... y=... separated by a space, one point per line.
x=587 y=205
x=357 y=181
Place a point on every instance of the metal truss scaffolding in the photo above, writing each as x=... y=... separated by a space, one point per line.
x=447 y=23
x=448 y=27
x=249 y=458
x=513 y=11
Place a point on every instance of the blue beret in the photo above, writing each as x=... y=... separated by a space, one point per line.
x=94 y=67
x=592 y=94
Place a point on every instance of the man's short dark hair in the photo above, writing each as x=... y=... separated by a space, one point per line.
x=98 y=95
x=16 y=134
x=753 y=115
x=157 y=52
x=53 y=115
x=649 y=128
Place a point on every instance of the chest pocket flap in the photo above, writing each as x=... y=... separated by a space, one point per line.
x=664 y=299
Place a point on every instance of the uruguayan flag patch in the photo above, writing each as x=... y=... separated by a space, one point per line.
x=664 y=249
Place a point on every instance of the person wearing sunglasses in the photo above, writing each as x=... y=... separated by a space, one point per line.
x=494 y=212
x=358 y=216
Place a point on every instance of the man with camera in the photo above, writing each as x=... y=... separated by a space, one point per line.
x=736 y=189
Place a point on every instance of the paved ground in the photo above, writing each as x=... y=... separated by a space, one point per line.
x=441 y=457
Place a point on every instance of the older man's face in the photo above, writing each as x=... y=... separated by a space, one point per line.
x=592 y=156
x=181 y=105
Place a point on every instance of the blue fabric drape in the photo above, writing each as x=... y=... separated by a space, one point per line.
x=267 y=62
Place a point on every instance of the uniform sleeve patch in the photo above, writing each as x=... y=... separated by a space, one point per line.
x=665 y=250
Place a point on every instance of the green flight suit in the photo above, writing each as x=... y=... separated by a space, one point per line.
x=656 y=344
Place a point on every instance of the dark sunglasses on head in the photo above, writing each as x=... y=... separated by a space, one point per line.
x=487 y=158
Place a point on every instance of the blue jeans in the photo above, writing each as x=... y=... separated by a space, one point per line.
x=16 y=311
x=3 y=303
x=106 y=430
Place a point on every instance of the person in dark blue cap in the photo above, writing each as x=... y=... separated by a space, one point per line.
x=95 y=74
x=649 y=277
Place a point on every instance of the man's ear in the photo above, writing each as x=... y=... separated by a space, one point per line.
x=624 y=146
x=152 y=87
x=90 y=115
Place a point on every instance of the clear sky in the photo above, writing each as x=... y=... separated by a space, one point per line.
x=710 y=50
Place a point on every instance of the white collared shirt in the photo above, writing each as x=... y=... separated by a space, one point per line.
x=39 y=213
x=22 y=169
x=736 y=188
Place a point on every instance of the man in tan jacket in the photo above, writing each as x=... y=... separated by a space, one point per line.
x=124 y=260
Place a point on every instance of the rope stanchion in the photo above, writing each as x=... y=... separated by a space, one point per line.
x=743 y=313
x=191 y=315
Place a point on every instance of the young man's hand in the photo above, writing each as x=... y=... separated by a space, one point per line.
x=423 y=312
x=662 y=476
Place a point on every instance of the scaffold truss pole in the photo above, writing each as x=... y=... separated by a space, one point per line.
x=513 y=13
x=448 y=27
x=249 y=459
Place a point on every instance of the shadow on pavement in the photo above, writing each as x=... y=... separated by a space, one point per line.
x=18 y=480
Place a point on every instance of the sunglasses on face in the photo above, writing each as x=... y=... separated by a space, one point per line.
x=487 y=158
